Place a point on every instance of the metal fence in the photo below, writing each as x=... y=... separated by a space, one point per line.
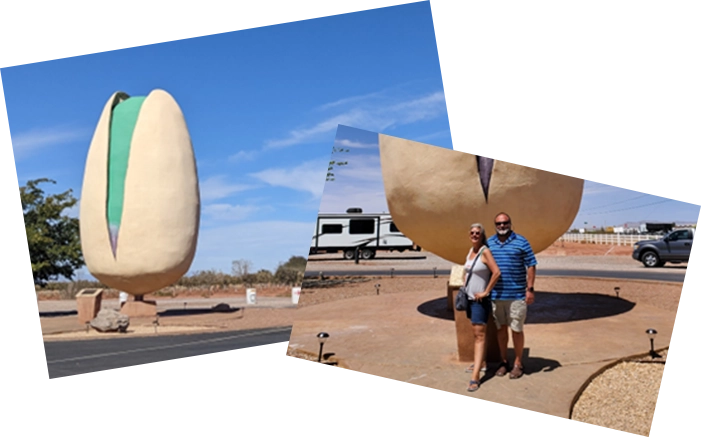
x=612 y=239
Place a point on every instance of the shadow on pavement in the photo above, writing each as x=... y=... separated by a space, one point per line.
x=549 y=307
x=531 y=365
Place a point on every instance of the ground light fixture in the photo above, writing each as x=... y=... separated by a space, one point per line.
x=377 y=289
x=322 y=337
x=651 y=333
x=617 y=290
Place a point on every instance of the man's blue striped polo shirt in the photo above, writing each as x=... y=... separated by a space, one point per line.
x=513 y=257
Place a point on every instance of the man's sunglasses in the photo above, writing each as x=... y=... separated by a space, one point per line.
x=502 y=223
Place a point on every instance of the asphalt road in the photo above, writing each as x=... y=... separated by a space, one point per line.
x=650 y=275
x=242 y=357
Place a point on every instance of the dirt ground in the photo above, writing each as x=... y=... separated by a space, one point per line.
x=647 y=292
x=562 y=248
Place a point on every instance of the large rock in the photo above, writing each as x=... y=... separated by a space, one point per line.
x=110 y=321
x=435 y=194
x=152 y=240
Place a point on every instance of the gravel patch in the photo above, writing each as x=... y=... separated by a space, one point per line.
x=622 y=397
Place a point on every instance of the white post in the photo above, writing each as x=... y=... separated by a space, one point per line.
x=251 y=296
x=296 y=291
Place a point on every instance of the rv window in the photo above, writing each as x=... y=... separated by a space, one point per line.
x=362 y=226
x=331 y=229
x=393 y=227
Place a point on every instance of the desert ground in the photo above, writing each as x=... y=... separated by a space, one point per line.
x=598 y=404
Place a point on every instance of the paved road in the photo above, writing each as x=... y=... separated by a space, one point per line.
x=650 y=275
x=242 y=357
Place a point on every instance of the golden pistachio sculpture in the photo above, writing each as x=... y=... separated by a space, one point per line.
x=435 y=194
x=140 y=202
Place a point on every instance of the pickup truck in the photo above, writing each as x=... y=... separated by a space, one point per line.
x=674 y=247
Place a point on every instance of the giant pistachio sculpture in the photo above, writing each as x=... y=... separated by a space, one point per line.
x=140 y=205
x=435 y=194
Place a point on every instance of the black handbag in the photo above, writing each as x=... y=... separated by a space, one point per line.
x=462 y=301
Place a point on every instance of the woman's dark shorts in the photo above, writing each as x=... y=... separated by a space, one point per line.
x=479 y=311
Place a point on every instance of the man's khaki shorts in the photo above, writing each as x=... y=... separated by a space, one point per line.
x=511 y=313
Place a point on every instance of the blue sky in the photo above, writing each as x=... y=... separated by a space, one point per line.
x=262 y=106
x=359 y=184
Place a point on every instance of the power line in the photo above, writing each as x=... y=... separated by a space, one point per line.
x=632 y=207
x=615 y=203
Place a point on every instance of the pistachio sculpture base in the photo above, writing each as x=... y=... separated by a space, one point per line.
x=140 y=308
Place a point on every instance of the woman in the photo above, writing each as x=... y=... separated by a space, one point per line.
x=485 y=274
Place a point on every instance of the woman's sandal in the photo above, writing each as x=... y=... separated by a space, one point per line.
x=516 y=372
x=503 y=369
x=473 y=386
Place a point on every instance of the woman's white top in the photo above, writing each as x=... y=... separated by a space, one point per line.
x=480 y=275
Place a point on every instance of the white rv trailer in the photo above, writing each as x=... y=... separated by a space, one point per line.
x=353 y=230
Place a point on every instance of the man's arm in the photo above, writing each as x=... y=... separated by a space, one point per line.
x=530 y=262
x=530 y=277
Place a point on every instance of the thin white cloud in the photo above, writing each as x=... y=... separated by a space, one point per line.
x=347 y=100
x=227 y=212
x=25 y=143
x=308 y=177
x=216 y=187
x=243 y=156
x=355 y=144
x=376 y=117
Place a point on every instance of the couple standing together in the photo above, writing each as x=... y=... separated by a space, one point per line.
x=501 y=282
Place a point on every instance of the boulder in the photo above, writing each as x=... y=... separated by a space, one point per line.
x=110 y=321
x=222 y=308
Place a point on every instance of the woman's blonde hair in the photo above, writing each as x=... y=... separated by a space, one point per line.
x=481 y=228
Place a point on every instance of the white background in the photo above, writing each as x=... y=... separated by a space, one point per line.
x=341 y=410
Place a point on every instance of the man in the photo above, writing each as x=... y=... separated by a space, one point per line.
x=512 y=292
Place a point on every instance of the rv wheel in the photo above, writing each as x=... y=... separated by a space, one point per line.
x=349 y=254
x=367 y=254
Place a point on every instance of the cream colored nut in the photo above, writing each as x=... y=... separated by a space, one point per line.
x=434 y=195
x=160 y=218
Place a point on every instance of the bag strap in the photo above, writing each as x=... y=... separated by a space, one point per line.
x=472 y=266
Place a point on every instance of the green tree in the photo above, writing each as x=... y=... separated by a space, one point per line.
x=330 y=175
x=292 y=271
x=53 y=238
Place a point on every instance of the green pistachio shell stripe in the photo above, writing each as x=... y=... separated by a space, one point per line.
x=124 y=117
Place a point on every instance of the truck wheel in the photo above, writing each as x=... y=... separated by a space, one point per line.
x=367 y=254
x=650 y=259
x=349 y=254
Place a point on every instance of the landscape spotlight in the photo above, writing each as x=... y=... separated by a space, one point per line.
x=617 y=290
x=377 y=289
x=651 y=333
x=322 y=336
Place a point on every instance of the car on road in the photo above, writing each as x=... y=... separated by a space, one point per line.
x=674 y=247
